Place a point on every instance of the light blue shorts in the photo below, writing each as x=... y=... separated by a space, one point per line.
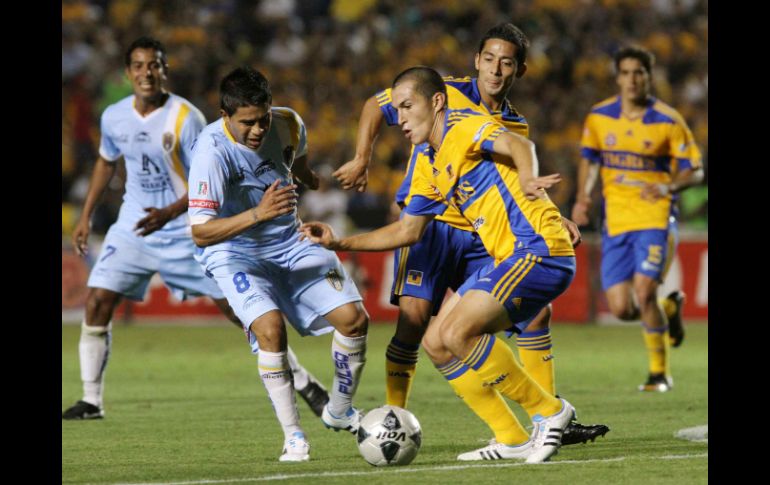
x=305 y=282
x=127 y=262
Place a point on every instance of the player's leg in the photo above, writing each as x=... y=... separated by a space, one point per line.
x=534 y=345
x=414 y=315
x=305 y=383
x=673 y=303
x=617 y=272
x=123 y=268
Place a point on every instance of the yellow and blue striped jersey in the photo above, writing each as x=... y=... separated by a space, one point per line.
x=632 y=153
x=484 y=188
x=462 y=93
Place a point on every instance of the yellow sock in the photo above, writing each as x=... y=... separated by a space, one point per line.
x=487 y=403
x=496 y=365
x=400 y=366
x=656 y=341
x=536 y=357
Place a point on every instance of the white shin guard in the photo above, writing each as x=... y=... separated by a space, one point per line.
x=276 y=376
x=349 y=357
x=94 y=350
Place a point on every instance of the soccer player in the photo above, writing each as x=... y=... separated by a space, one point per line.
x=646 y=155
x=244 y=220
x=153 y=130
x=490 y=176
x=450 y=251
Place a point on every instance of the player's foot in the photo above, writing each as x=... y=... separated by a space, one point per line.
x=296 y=448
x=349 y=422
x=315 y=396
x=547 y=432
x=675 y=324
x=657 y=383
x=83 y=410
x=498 y=451
x=582 y=433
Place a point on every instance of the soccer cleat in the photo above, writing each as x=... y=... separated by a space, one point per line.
x=547 y=432
x=675 y=324
x=657 y=383
x=315 y=396
x=296 y=448
x=498 y=451
x=582 y=433
x=349 y=422
x=83 y=410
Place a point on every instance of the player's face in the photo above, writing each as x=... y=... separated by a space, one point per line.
x=249 y=124
x=416 y=115
x=146 y=73
x=633 y=80
x=497 y=67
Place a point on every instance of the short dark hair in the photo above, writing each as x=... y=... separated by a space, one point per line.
x=510 y=33
x=243 y=86
x=427 y=80
x=641 y=54
x=146 y=42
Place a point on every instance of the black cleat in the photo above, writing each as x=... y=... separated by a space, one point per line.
x=83 y=410
x=675 y=324
x=657 y=383
x=576 y=433
x=315 y=396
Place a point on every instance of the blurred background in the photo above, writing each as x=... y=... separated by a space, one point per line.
x=324 y=58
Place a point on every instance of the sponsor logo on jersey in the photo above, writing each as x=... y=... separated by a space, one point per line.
x=203 y=188
x=334 y=279
x=435 y=172
x=647 y=266
x=142 y=137
x=496 y=381
x=264 y=167
x=168 y=141
x=478 y=223
x=204 y=204
x=450 y=171
x=121 y=139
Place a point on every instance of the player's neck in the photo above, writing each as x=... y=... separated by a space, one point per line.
x=437 y=132
x=493 y=103
x=633 y=108
x=145 y=106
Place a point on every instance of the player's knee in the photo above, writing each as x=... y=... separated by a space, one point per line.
x=412 y=322
x=99 y=306
x=434 y=347
x=646 y=294
x=356 y=323
x=542 y=320
x=456 y=336
x=621 y=308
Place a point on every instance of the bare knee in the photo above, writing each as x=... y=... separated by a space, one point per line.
x=542 y=320
x=351 y=320
x=646 y=294
x=100 y=305
x=270 y=332
x=434 y=346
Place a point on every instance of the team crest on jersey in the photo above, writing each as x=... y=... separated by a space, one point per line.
x=517 y=303
x=647 y=144
x=610 y=140
x=333 y=278
x=288 y=156
x=203 y=188
x=629 y=133
x=435 y=172
x=414 y=277
x=168 y=141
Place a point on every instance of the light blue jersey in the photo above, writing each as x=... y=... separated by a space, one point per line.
x=157 y=149
x=228 y=178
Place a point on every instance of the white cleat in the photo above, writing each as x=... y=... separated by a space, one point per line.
x=349 y=422
x=547 y=432
x=499 y=451
x=296 y=448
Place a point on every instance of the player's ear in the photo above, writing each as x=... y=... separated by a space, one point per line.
x=439 y=101
x=223 y=114
x=521 y=70
x=476 y=60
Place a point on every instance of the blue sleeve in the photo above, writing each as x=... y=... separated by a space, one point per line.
x=421 y=205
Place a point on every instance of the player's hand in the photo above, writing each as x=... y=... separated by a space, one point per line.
x=80 y=237
x=353 y=174
x=652 y=192
x=276 y=202
x=319 y=233
x=574 y=232
x=533 y=187
x=154 y=220
x=580 y=213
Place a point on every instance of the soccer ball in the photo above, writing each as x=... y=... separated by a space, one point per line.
x=389 y=435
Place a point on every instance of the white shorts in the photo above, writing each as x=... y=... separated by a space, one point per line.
x=127 y=262
x=305 y=282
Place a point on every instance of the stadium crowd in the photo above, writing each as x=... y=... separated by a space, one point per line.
x=326 y=57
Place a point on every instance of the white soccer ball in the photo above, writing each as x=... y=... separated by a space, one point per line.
x=389 y=435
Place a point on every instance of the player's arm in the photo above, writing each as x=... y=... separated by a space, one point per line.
x=404 y=232
x=354 y=173
x=522 y=152
x=682 y=180
x=304 y=174
x=588 y=173
x=275 y=203
x=100 y=177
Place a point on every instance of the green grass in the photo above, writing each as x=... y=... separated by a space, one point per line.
x=185 y=404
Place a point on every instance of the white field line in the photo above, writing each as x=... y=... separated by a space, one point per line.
x=384 y=471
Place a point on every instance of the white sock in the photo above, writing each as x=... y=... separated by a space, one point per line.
x=301 y=378
x=349 y=357
x=276 y=376
x=94 y=349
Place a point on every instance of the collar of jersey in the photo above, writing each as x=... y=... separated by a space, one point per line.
x=506 y=111
x=153 y=113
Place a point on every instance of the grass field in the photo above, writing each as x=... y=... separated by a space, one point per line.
x=185 y=405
